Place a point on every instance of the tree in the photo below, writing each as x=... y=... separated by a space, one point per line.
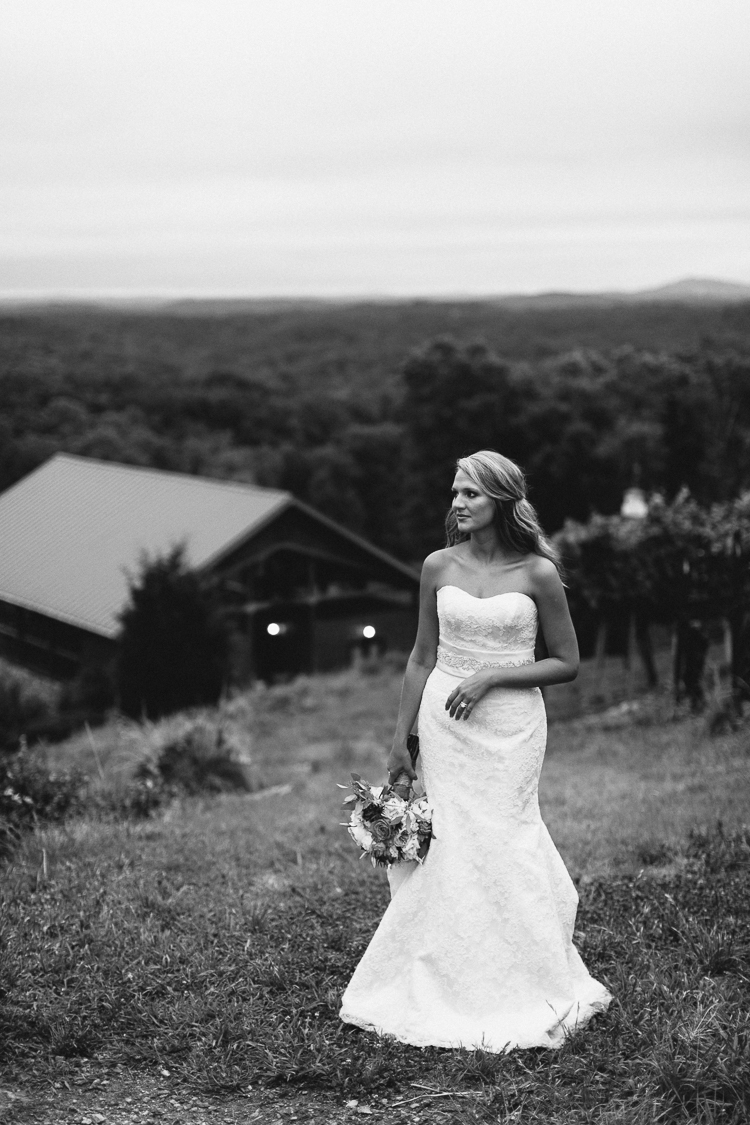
x=458 y=399
x=572 y=457
x=174 y=645
x=377 y=453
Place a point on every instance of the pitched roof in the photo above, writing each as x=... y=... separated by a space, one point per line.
x=73 y=529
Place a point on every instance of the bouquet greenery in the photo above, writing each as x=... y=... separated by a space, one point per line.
x=387 y=825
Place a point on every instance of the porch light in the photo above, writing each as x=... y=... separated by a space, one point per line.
x=368 y=631
x=273 y=629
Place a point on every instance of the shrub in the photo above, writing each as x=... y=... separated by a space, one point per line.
x=174 y=646
x=143 y=795
x=198 y=755
x=25 y=706
x=30 y=792
x=33 y=709
x=89 y=695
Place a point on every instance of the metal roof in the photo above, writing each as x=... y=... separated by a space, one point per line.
x=74 y=528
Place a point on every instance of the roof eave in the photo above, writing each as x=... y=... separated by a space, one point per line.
x=57 y=615
x=231 y=545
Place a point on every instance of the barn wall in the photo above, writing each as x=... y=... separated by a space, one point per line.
x=307 y=534
x=47 y=645
x=317 y=640
x=321 y=637
x=336 y=640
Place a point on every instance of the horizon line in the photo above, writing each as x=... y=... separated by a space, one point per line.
x=120 y=295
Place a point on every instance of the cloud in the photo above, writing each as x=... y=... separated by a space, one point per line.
x=395 y=145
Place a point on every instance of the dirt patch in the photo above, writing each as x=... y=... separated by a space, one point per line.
x=144 y=1100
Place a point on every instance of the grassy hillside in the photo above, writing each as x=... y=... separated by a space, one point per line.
x=193 y=961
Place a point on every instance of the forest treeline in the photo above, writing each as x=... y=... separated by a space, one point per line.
x=362 y=410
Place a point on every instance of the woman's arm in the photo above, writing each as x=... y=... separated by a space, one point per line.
x=562 y=660
x=558 y=667
x=420 y=664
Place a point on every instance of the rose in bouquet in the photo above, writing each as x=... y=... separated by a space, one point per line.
x=388 y=827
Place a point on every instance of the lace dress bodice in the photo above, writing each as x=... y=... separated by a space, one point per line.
x=484 y=632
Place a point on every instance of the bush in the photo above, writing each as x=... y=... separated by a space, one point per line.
x=33 y=709
x=89 y=695
x=30 y=793
x=199 y=755
x=145 y=794
x=25 y=706
x=174 y=647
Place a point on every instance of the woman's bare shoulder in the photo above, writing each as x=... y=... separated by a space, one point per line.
x=542 y=573
x=437 y=563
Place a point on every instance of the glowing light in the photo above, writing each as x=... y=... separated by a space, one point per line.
x=273 y=628
x=369 y=632
x=634 y=504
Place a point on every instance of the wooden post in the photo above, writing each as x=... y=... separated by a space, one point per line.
x=600 y=655
x=630 y=643
x=645 y=648
x=600 y=648
x=740 y=691
x=727 y=629
x=312 y=579
x=676 y=659
x=251 y=672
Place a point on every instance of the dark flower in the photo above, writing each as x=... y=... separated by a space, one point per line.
x=381 y=831
x=371 y=811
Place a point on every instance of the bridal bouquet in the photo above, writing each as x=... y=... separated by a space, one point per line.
x=389 y=828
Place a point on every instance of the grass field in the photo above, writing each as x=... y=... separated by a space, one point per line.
x=195 y=958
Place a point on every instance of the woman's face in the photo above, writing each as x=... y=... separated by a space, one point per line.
x=474 y=510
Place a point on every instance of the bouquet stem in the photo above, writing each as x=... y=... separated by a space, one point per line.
x=402 y=785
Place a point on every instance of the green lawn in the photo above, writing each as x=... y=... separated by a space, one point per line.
x=212 y=940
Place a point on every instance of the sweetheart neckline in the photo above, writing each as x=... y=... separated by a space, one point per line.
x=505 y=594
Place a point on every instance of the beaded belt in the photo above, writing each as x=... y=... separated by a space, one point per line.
x=464 y=661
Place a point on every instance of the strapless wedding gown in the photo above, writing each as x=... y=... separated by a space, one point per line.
x=476 y=947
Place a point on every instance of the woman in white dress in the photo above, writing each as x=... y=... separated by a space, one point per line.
x=476 y=947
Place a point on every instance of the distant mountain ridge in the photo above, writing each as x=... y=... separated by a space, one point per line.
x=686 y=291
x=696 y=289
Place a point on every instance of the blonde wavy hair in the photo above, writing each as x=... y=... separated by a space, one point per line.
x=516 y=521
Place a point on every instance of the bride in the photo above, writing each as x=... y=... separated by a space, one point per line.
x=475 y=948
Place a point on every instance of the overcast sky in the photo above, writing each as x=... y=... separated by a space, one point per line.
x=372 y=147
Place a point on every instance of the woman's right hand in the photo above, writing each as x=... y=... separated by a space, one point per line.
x=399 y=761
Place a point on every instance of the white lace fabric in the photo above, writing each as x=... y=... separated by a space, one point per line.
x=475 y=948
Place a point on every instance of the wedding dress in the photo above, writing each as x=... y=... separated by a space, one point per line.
x=475 y=948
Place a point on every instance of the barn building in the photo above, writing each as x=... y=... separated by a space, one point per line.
x=304 y=593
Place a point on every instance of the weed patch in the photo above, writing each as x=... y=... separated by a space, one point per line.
x=30 y=794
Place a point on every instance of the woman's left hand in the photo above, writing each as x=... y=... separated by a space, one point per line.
x=462 y=701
